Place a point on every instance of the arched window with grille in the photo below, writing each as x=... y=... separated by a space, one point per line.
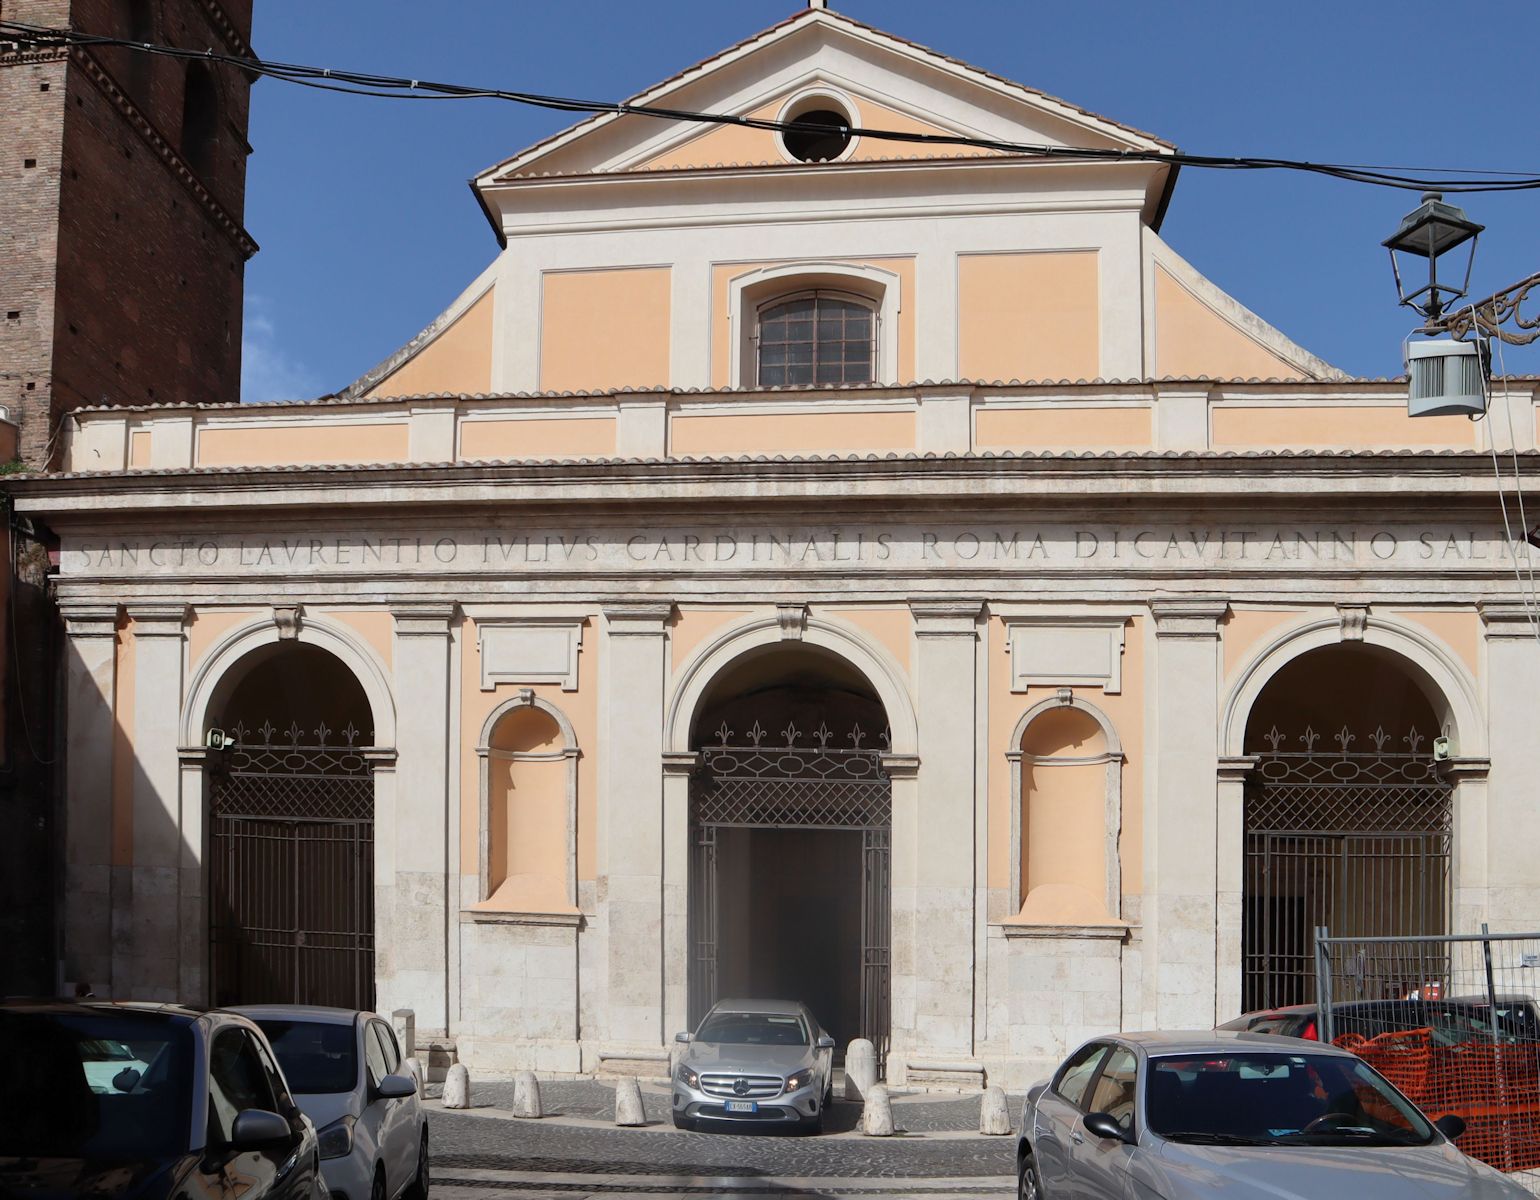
x=816 y=337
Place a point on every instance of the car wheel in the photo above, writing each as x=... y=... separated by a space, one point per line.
x=684 y=1123
x=419 y=1188
x=377 y=1191
x=1027 y=1186
x=813 y=1125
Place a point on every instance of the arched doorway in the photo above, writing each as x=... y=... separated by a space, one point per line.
x=291 y=832
x=1348 y=814
x=790 y=830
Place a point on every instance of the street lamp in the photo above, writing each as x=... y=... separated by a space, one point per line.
x=1431 y=231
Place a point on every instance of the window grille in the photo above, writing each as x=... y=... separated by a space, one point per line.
x=817 y=337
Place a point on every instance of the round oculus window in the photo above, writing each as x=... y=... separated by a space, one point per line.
x=817 y=135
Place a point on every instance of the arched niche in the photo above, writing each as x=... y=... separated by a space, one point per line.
x=1066 y=815
x=528 y=756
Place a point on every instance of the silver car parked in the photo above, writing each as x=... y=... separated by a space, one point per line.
x=764 y=1062
x=1217 y=1114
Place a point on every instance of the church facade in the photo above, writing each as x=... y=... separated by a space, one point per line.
x=881 y=574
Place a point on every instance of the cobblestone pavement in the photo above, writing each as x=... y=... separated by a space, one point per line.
x=576 y=1152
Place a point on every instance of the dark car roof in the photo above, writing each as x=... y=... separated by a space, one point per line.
x=179 y=1013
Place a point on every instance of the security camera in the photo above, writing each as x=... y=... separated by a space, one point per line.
x=216 y=739
x=1441 y=749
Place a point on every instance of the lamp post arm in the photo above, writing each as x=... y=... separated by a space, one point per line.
x=1486 y=317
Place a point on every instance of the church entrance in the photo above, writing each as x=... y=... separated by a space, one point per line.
x=791 y=819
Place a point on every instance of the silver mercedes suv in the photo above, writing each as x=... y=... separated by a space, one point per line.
x=754 y=1061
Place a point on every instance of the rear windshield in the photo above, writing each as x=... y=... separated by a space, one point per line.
x=753 y=1029
x=315 y=1058
x=102 y=1086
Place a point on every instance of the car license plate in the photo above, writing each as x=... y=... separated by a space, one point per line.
x=742 y=1106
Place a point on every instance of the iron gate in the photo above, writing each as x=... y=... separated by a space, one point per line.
x=789 y=784
x=1354 y=839
x=291 y=879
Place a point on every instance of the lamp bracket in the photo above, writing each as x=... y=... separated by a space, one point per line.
x=1485 y=318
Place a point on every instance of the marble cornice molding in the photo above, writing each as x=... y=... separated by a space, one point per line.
x=1188 y=617
x=1508 y=620
x=86 y=620
x=158 y=620
x=637 y=620
x=423 y=620
x=946 y=618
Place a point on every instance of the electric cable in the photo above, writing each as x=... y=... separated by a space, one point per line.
x=1532 y=598
x=395 y=87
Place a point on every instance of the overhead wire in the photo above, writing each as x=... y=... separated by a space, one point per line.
x=1449 y=180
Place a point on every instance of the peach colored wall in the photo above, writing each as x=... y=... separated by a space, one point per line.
x=457 y=361
x=139 y=448
x=893 y=628
x=208 y=625
x=300 y=445
x=805 y=433
x=1192 y=339
x=722 y=275
x=604 y=329
x=726 y=144
x=1460 y=631
x=376 y=626
x=580 y=708
x=1064 y=828
x=1028 y=316
x=1064 y=428
x=1246 y=628
x=1358 y=428
x=527 y=814
x=551 y=437
x=692 y=626
x=123 y=750
x=1126 y=713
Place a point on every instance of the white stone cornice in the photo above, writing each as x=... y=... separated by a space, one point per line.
x=637 y=620
x=90 y=620
x=1507 y=619
x=157 y=620
x=423 y=620
x=680 y=762
x=946 y=618
x=901 y=766
x=1180 y=617
x=1237 y=767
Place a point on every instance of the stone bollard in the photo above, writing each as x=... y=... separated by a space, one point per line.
x=404 y=1022
x=629 y=1110
x=414 y=1069
x=994 y=1113
x=457 y=1087
x=860 y=1069
x=526 y=1095
x=877 y=1116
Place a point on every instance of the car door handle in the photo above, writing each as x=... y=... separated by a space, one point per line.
x=1078 y=1138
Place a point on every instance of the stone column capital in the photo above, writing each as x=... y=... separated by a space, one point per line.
x=680 y=762
x=90 y=620
x=1234 y=769
x=637 y=620
x=423 y=620
x=946 y=618
x=157 y=620
x=1183 y=617
x=1505 y=619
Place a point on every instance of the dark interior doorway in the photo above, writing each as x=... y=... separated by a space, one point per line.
x=790 y=816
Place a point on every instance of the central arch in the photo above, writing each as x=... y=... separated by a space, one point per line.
x=790 y=824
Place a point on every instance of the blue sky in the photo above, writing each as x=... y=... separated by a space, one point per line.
x=368 y=228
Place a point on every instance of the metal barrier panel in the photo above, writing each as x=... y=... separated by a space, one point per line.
x=1454 y=1023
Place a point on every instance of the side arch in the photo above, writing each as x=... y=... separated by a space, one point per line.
x=1112 y=757
x=886 y=677
x=331 y=636
x=1438 y=671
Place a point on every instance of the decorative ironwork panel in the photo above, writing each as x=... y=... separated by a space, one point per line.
x=291 y=871
x=1344 y=832
x=792 y=784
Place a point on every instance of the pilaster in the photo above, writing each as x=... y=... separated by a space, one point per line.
x=431 y=432
x=641 y=429
x=1230 y=871
x=1513 y=680
x=633 y=859
x=1181 y=417
x=90 y=675
x=1182 y=877
x=946 y=420
x=412 y=869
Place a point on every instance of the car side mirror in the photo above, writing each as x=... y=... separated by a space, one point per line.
x=1104 y=1125
x=396 y=1087
x=1451 y=1125
x=682 y=1037
x=258 y=1128
x=825 y=1042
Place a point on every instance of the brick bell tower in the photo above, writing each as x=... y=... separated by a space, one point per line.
x=122 y=262
x=122 y=189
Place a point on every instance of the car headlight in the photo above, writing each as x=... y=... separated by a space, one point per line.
x=800 y=1080
x=688 y=1077
x=336 y=1140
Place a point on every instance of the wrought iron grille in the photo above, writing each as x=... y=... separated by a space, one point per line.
x=292 y=869
x=1346 y=832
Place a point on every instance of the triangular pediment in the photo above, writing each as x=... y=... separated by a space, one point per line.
x=891 y=83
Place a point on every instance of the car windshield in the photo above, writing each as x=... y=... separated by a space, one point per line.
x=753 y=1029
x=315 y=1057
x=102 y=1086
x=1278 y=1099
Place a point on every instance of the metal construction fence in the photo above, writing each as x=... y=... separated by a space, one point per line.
x=1453 y=1022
